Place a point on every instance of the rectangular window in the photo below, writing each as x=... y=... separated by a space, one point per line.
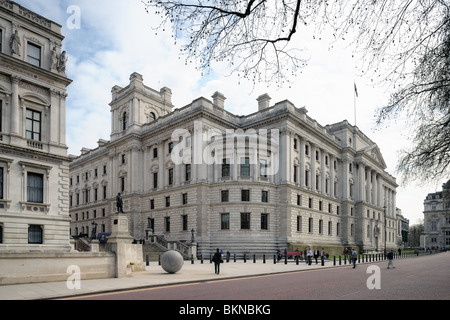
x=264 y=196
x=224 y=194
x=1 y=102
x=1 y=233
x=152 y=204
x=35 y=187
x=35 y=234
x=185 y=198
x=155 y=180
x=264 y=221
x=188 y=172
x=245 y=167
x=155 y=152
x=34 y=54
x=299 y=223
x=167 y=224
x=245 y=221
x=245 y=195
x=185 y=223
x=33 y=125
x=1 y=183
x=170 y=147
x=170 y=177
x=225 y=221
x=167 y=202
x=225 y=168
x=310 y=225
x=263 y=168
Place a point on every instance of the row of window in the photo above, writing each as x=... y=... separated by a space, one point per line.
x=85 y=175
x=86 y=215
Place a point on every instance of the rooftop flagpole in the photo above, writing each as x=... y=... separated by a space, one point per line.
x=354 y=99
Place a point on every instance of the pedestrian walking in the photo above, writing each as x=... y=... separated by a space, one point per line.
x=354 y=257
x=217 y=259
x=316 y=254
x=309 y=256
x=390 y=257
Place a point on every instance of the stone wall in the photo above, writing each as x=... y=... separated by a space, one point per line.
x=20 y=268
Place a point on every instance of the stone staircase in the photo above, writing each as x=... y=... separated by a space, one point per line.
x=157 y=245
x=153 y=251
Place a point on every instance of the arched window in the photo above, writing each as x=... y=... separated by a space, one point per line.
x=151 y=117
x=125 y=121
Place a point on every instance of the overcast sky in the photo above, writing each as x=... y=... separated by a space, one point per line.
x=116 y=38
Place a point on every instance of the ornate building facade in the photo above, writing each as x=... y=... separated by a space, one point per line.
x=436 y=212
x=34 y=166
x=255 y=183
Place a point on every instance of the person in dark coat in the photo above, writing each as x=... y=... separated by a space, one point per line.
x=217 y=259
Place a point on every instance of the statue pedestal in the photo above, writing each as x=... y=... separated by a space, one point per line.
x=129 y=256
x=120 y=231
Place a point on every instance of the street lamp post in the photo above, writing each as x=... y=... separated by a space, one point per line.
x=385 y=232
x=94 y=230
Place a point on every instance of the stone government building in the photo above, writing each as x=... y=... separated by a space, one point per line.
x=330 y=188
x=436 y=235
x=34 y=165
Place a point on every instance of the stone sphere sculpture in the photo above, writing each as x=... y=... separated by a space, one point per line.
x=172 y=261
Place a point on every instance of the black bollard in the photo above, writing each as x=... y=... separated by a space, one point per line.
x=264 y=258
x=147 y=262
x=245 y=258
x=334 y=260
x=274 y=259
x=254 y=258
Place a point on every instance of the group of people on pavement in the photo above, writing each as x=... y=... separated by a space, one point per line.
x=352 y=256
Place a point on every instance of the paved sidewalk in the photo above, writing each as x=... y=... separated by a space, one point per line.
x=154 y=275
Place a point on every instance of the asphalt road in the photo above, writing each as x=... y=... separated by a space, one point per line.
x=424 y=278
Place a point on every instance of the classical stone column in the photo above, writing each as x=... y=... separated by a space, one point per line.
x=361 y=182
x=313 y=167
x=302 y=175
x=15 y=105
x=332 y=176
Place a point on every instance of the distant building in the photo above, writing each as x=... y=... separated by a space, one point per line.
x=255 y=183
x=34 y=166
x=437 y=219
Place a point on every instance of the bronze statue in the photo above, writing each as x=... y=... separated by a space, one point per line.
x=119 y=203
